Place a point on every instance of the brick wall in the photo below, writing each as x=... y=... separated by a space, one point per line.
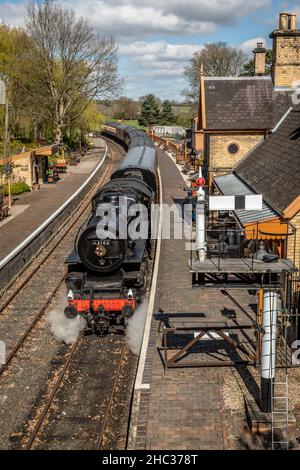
x=220 y=158
x=294 y=241
x=287 y=60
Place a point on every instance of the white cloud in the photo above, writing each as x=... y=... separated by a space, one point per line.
x=153 y=53
x=248 y=46
x=151 y=65
x=158 y=60
x=140 y=18
x=134 y=20
x=12 y=13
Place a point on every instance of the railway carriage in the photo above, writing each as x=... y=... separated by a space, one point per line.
x=107 y=273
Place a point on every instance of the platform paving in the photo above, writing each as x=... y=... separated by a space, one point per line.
x=184 y=408
x=32 y=209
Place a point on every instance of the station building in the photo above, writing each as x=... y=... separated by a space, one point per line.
x=273 y=170
x=236 y=114
x=31 y=166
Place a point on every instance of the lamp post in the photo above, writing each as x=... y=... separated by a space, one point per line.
x=4 y=100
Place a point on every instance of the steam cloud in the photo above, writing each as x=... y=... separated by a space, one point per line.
x=63 y=328
x=135 y=328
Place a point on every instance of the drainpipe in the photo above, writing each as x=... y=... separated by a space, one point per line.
x=271 y=305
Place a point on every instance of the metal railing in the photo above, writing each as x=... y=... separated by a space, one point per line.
x=225 y=239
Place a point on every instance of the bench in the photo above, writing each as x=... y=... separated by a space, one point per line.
x=61 y=166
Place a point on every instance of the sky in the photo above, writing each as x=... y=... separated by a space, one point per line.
x=157 y=38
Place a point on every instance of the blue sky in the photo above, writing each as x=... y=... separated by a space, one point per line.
x=157 y=38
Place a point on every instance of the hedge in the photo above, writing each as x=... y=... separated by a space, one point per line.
x=17 y=188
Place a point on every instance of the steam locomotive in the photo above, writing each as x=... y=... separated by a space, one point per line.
x=107 y=271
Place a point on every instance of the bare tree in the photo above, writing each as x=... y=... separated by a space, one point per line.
x=125 y=108
x=219 y=60
x=70 y=65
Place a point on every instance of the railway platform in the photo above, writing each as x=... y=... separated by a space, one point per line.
x=32 y=209
x=190 y=407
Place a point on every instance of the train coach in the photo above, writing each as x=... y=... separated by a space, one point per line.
x=107 y=271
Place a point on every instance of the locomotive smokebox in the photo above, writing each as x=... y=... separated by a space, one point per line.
x=101 y=256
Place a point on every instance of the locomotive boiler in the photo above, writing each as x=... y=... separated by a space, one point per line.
x=107 y=270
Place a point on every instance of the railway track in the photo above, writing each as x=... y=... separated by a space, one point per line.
x=20 y=330
x=28 y=277
x=101 y=438
x=102 y=422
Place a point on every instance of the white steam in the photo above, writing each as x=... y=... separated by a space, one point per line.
x=135 y=328
x=65 y=329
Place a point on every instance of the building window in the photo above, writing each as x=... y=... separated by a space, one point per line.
x=233 y=148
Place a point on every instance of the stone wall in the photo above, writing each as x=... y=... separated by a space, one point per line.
x=260 y=63
x=22 y=169
x=219 y=156
x=287 y=60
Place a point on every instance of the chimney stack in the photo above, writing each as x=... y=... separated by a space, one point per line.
x=286 y=57
x=260 y=59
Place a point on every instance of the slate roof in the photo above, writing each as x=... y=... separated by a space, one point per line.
x=273 y=168
x=230 y=185
x=241 y=103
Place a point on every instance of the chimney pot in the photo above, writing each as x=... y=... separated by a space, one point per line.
x=293 y=22
x=283 y=21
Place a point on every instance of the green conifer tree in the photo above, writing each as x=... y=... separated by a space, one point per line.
x=167 y=117
x=149 y=112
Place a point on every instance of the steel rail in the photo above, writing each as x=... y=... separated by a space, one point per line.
x=52 y=217
x=74 y=347
x=19 y=259
x=56 y=388
x=31 y=326
x=58 y=285
x=52 y=396
x=111 y=399
x=72 y=221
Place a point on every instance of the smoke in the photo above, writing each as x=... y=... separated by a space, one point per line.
x=135 y=328
x=63 y=328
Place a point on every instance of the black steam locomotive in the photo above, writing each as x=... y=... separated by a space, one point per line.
x=107 y=270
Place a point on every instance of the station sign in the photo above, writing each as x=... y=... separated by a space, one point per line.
x=232 y=203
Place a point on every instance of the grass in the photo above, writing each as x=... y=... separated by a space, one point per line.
x=17 y=188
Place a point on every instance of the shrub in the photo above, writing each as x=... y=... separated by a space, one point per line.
x=17 y=188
